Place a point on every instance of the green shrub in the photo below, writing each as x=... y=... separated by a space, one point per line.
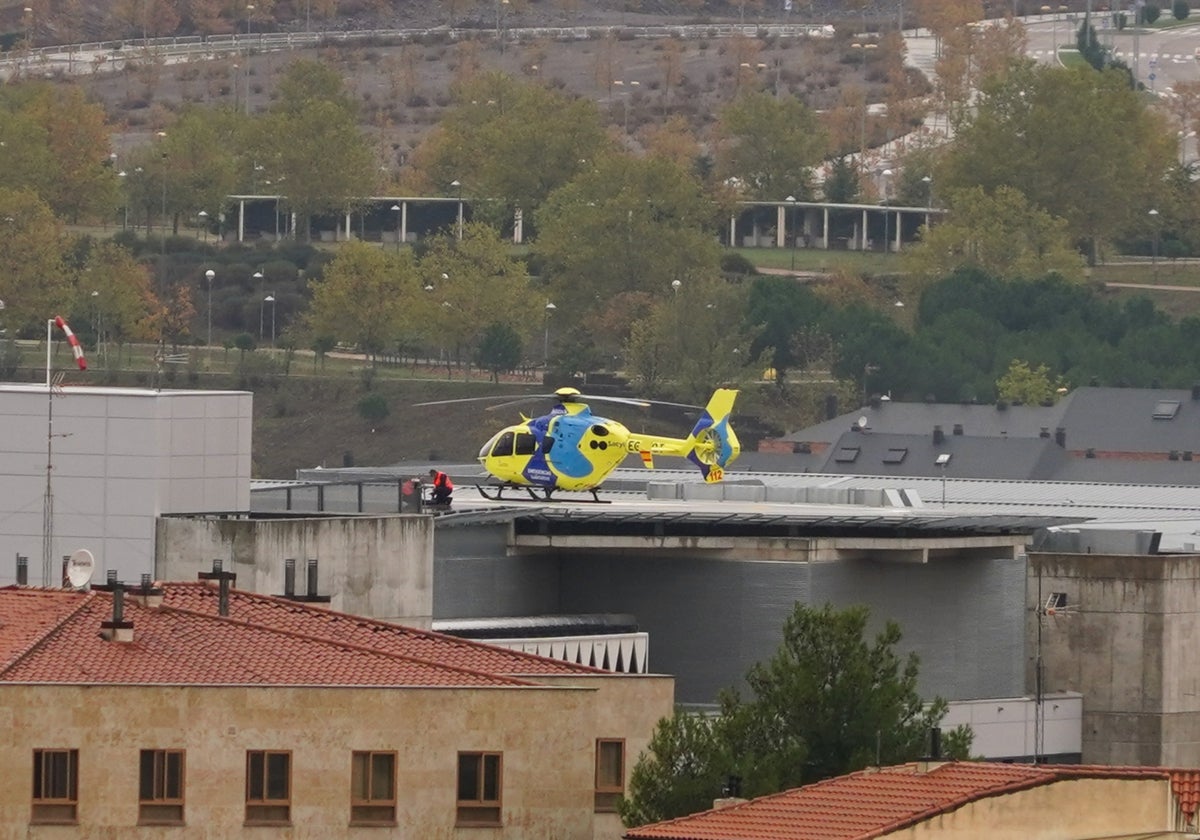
x=1180 y=10
x=373 y=408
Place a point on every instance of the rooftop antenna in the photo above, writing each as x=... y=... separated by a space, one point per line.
x=53 y=385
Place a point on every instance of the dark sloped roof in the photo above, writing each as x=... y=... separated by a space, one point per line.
x=905 y=418
x=970 y=457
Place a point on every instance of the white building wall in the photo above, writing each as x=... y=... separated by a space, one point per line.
x=120 y=457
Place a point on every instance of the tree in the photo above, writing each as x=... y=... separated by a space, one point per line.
x=35 y=283
x=770 y=145
x=512 y=140
x=829 y=702
x=779 y=309
x=998 y=233
x=1027 y=385
x=313 y=142
x=842 y=184
x=362 y=298
x=678 y=774
x=629 y=226
x=499 y=349
x=114 y=290
x=1078 y=144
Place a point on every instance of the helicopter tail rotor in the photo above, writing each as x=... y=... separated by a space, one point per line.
x=712 y=444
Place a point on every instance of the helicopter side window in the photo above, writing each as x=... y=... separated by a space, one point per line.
x=504 y=445
x=526 y=444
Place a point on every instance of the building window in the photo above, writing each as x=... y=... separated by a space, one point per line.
x=373 y=788
x=479 y=788
x=268 y=787
x=160 y=787
x=610 y=773
x=55 y=786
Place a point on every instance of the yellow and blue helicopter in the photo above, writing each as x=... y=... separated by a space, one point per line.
x=572 y=449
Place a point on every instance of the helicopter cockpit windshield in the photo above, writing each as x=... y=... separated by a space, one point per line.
x=486 y=449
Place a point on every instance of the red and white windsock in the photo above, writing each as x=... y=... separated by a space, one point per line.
x=76 y=348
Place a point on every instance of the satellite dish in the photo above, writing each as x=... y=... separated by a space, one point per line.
x=81 y=565
x=862 y=422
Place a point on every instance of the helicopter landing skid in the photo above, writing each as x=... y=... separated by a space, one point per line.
x=499 y=489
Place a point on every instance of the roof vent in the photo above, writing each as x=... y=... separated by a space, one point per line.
x=958 y=429
x=1173 y=455
x=1165 y=409
x=1045 y=432
x=223 y=579
x=148 y=595
x=938 y=435
x=1060 y=436
x=1091 y=453
x=1187 y=454
x=312 y=577
x=1196 y=390
x=116 y=629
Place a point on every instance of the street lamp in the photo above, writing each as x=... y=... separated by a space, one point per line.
x=928 y=182
x=627 y=92
x=550 y=307
x=1154 y=254
x=122 y=175
x=249 y=12
x=160 y=135
x=271 y=300
x=209 y=275
x=500 y=4
x=396 y=208
x=203 y=217
x=458 y=187
x=887 y=217
x=258 y=275
x=791 y=200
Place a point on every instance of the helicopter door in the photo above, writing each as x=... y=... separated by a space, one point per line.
x=526 y=444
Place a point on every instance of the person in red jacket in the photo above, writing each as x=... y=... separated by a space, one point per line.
x=442 y=487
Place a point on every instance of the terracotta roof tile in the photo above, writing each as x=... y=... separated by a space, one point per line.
x=29 y=615
x=1186 y=785
x=54 y=636
x=319 y=622
x=873 y=802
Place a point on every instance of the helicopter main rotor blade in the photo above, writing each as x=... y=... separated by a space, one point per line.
x=509 y=400
x=490 y=398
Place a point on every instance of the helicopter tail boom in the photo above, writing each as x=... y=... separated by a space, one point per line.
x=712 y=444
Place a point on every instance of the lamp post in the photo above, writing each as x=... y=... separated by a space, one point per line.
x=163 y=153
x=124 y=200
x=887 y=217
x=791 y=200
x=626 y=92
x=258 y=275
x=500 y=4
x=1154 y=254
x=271 y=300
x=208 y=276
x=203 y=217
x=458 y=187
x=550 y=307
x=249 y=12
x=396 y=209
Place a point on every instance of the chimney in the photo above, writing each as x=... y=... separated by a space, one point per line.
x=22 y=570
x=958 y=429
x=1045 y=432
x=289 y=577
x=224 y=580
x=117 y=629
x=148 y=595
x=938 y=435
x=1060 y=436
x=312 y=577
x=1196 y=390
x=934 y=760
x=731 y=793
